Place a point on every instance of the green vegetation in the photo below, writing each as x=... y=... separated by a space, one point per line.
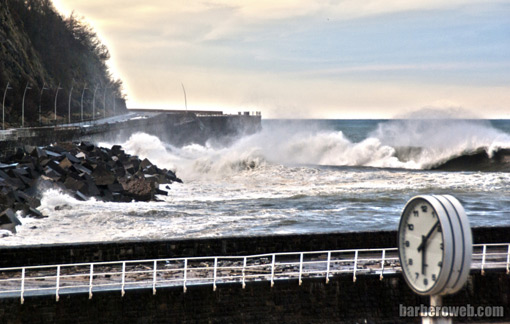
x=41 y=48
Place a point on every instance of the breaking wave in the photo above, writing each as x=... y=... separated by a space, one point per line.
x=448 y=144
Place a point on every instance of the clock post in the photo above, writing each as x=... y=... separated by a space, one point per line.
x=435 y=248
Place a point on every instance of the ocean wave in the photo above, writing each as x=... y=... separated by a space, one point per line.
x=421 y=144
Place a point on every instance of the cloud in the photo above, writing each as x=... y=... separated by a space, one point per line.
x=321 y=58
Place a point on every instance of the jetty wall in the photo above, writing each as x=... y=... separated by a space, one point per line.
x=174 y=128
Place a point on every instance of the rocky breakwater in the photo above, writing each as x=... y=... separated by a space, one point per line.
x=83 y=170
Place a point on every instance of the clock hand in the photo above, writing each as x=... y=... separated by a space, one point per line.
x=426 y=237
x=423 y=253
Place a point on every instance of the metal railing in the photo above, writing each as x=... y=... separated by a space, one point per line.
x=157 y=273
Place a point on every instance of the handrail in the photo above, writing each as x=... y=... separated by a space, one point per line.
x=157 y=273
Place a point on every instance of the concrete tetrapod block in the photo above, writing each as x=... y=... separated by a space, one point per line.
x=8 y=220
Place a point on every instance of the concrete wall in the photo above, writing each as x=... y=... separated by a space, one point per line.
x=368 y=300
x=177 y=129
x=133 y=250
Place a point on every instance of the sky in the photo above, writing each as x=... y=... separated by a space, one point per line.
x=308 y=59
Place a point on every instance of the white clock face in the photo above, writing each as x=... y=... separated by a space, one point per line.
x=421 y=245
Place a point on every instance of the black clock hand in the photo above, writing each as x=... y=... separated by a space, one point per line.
x=426 y=237
x=423 y=253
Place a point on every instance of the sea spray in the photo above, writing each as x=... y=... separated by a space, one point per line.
x=225 y=194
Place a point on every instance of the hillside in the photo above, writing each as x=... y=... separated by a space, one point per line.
x=43 y=49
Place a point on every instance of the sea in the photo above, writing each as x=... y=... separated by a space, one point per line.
x=293 y=177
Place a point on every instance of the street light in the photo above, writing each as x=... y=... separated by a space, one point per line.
x=70 y=94
x=40 y=101
x=185 y=99
x=114 y=100
x=3 y=105
x=94 y=102
x=23 y=105
x=81 y=104
x=104 y=102
x=56 y=96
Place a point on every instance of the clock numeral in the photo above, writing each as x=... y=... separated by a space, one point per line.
x=410 y=262
x=434 y=215
x=433 y=277
x=417 y=275
x=424 y=208
x=441 y=246
x=425 y=281
x=439 y=229
x=416 y=213
x=408 y=244
x=410 y=226
x=440 y=264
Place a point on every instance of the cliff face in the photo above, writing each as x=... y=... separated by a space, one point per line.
x=42 y=49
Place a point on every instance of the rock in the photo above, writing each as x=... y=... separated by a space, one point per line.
x=161 y=192
x=8 y=220
x=138 y=189
x=86 y=146
x=83 y=170
x=33 y=212
x=102 y=176
x=41 y=154
x=22 y=197
x=30 y=150
x=115 y=187
x=145 y=164
x=65 y=163
x=80 y=196
x=75 y=185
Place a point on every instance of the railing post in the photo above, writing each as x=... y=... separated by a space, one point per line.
x=483 y=259
x=185 y=275
x=154 y=276
x=123 y=292
x=215 y=269
x=508 y=260
x=272 y=270
x=328 y=267
x=22 y=285
x=355 y=266
x=91 y=278
x=57 y=297
x=244 y=275
x=382 y=264
x=300 y=268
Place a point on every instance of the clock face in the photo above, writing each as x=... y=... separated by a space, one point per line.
x=421 y=245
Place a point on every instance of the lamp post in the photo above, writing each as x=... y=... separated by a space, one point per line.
x=3 y=105
x=23 y=105
x=81 y=103
x=40 y=102
x=185 y=99
x=56 y=97
x=104 y=101
x=69 y=105
x=94 y=102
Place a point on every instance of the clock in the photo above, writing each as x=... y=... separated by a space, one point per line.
x=434 y=244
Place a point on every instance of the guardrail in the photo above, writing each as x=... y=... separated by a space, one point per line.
x=157 y=273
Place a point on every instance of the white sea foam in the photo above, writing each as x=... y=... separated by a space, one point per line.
x=271 y=182
x=426 y=142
